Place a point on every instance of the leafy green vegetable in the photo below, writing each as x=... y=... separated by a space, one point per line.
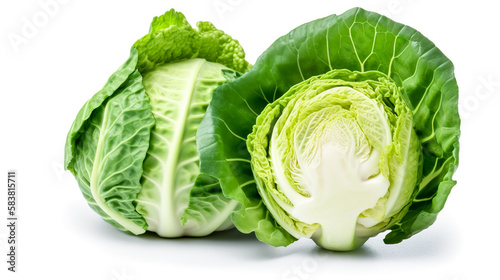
x=132 y=147
x=352 y=128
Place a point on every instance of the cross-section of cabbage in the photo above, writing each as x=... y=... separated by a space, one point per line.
x=336 y=158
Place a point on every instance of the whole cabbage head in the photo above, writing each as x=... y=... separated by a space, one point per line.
x=132 y=146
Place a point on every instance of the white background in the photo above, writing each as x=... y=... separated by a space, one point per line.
x=45 y=79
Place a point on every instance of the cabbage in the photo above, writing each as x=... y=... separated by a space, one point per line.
x=132 y=147
x=344 y=128
x=341 y=160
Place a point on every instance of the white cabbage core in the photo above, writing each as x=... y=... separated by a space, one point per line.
x=337 y=165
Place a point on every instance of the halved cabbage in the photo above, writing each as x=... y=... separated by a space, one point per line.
x=352 y=128
x=336 y=157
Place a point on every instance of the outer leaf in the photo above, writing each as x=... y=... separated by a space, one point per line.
x=168 y=19
x=109 y=153
x=172 y=39
x=208 y=207
x=181 y=67
x=81 y=120
x=179 y=94
x=357 y=40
